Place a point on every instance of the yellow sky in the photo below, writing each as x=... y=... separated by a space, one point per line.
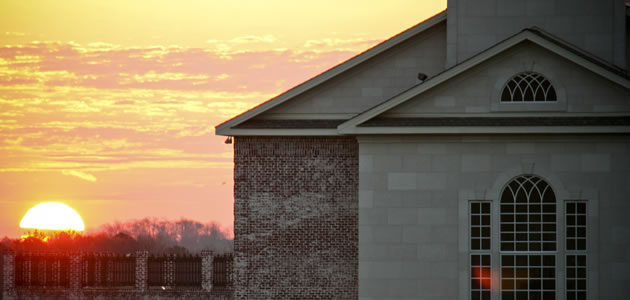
x=109 y=106
x=193 y=23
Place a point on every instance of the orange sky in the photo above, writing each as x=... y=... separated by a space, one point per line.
x=110 y=106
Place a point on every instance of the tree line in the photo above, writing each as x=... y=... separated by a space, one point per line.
x=154 y=235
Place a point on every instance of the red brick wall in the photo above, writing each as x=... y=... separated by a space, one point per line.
x=296 y=218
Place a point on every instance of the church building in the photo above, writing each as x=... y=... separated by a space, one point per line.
x=481 y=154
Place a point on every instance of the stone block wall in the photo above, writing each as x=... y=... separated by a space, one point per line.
x=296 y=218
x=596 y=26
x=414 y=194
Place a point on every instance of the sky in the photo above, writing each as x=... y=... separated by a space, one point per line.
x=110 y=106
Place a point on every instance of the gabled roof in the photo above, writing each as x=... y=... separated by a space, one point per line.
x=227 y=127
x=534 y=35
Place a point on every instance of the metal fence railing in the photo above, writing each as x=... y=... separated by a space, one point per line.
x=187 y=271
x=42 y=270
x=108 y=270
x=112 y=271
x=156 y=271
x=221 y=270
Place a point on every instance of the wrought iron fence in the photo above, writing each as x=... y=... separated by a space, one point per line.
x=187 y=271
x=221 y=268
x=156 y=271
x=108 y=270
x=42 y=270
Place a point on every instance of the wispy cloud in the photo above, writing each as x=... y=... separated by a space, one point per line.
x=108 y=66
x=84 y=110
x=253 y=39
x=79 y=174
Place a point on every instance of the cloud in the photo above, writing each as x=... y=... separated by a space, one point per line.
x=79 y=109
x=338 y=44
x=79 y=174
x=253 y=39
x=14 y=33
x=109 y=66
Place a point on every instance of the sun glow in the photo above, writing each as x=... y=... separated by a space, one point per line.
x=52 y=216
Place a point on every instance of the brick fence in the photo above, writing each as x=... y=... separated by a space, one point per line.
x=109 y=276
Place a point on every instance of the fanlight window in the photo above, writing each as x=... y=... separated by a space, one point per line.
x=528 y=87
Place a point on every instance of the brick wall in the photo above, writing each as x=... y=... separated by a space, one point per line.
x=296 y=217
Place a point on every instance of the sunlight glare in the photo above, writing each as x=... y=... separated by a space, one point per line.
x=52 y=216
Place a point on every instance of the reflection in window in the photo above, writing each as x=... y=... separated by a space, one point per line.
x=525 y=277
x=480 y=258
x=480 y=283
x=528 y=239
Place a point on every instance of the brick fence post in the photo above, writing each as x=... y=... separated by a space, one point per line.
x=169 y=270
x=142 y=270
x=207 y=258
x=75 y=275
x=8 y=275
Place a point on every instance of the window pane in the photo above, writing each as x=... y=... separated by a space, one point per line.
x=475 y=208
x=534 y=274
x=480 y=225
x=576 y=225
x=485 y=244
x=480 y=272
x=475 y=232
x=528 y=224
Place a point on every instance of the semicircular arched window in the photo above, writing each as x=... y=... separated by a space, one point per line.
x=528 y=87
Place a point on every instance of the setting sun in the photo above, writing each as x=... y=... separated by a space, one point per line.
x=52 y=216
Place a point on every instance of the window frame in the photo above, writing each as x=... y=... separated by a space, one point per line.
x=576 y=252
x=528 y=74
x=496 y=105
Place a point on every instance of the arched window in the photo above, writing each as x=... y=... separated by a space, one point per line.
x=529 y=248
x=528 y=239
x=528 y=87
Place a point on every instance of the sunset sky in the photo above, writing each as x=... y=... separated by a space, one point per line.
x=110 y=106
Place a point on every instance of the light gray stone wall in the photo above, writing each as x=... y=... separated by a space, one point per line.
x=413 y=207
x=478 y=91
x=374 y=81
x=596 y=26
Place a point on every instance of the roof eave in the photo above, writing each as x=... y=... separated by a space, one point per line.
x=448 y=130
x=277 y=132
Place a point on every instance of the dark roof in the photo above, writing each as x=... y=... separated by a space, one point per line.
x=290 y=124
x=498 y=121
